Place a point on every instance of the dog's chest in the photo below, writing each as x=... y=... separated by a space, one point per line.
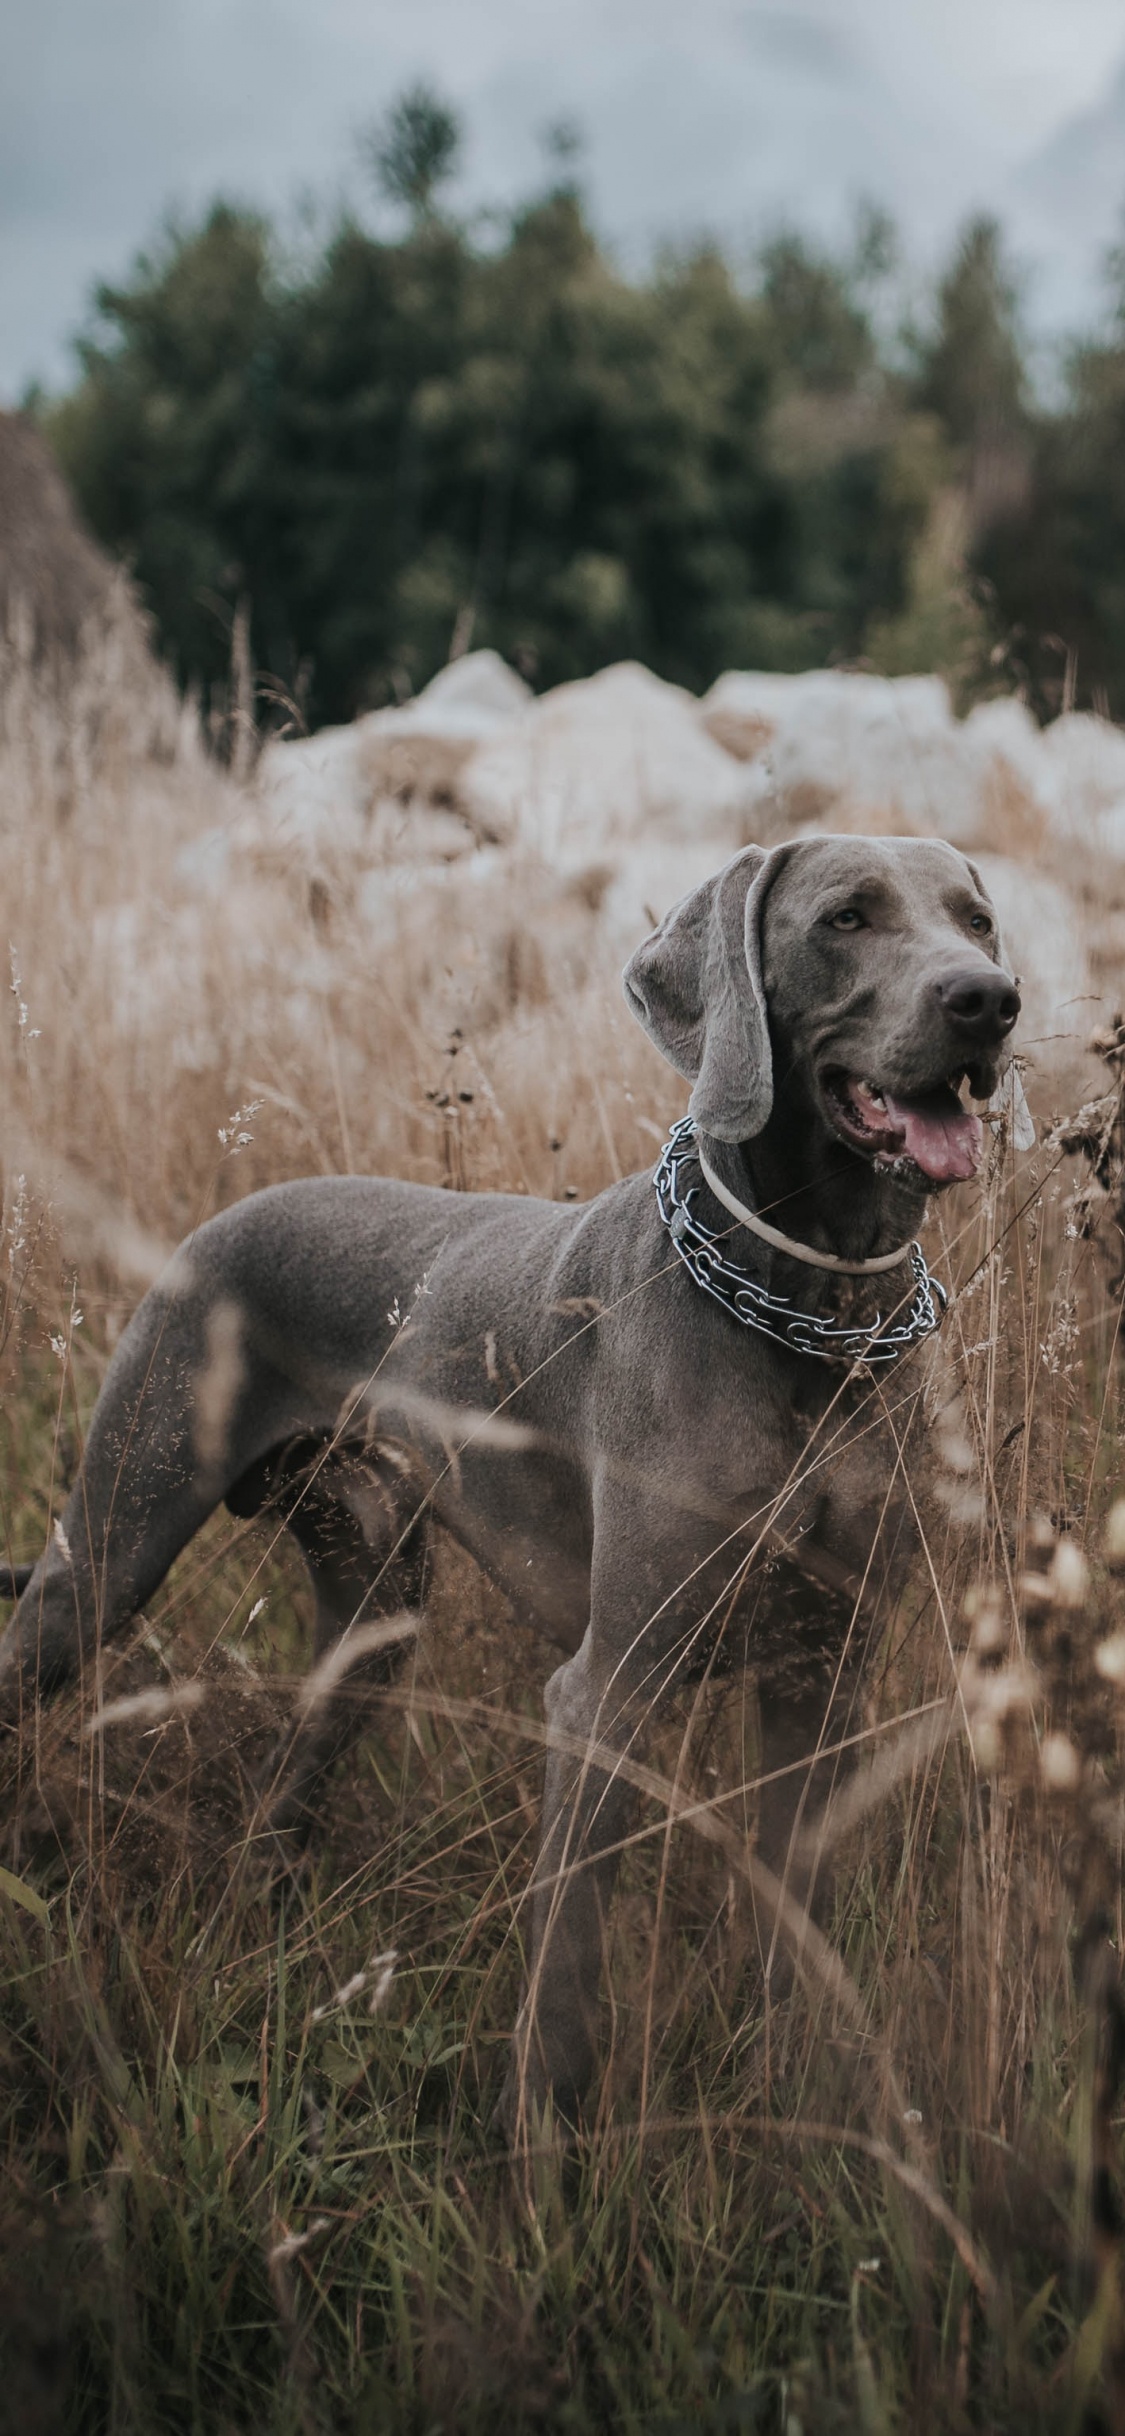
x=836 y=1550
x=864 y=1501
x=843 y=1496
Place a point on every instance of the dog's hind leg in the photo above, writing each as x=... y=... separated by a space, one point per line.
x=140 y=1496
x=190 y=1401
x=366 y=1547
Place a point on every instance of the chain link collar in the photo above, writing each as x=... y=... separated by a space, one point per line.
x=702 y=1253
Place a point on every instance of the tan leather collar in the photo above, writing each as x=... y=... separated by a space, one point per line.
x=787 y=1243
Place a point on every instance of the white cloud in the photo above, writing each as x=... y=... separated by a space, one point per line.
x=727 y=118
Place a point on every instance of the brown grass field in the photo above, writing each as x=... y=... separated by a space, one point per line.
x=251 y=2180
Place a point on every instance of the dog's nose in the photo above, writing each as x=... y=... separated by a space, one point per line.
x=981 y=1006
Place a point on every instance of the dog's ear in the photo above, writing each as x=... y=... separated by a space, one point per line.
x=696 y=986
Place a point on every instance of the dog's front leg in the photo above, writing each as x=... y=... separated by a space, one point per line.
x=592 y=1724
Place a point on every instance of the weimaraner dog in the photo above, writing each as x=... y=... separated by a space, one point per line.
x=622 y=1410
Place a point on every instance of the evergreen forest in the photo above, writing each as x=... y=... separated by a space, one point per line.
x=418 y=434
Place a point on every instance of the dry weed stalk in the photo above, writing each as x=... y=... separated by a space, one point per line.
x=1097 y=1136
x=173 y=958
x=169 y=968
x=1044 y=1700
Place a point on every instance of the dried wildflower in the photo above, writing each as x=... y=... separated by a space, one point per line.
x=59 y=1342
x=1000 y=1692
x=383 y=1971
x=397 y=1317
x=377 y=1977
x=984 y=1609
x=1068 y=1576
x=1060 y=1343
x=1060 y=1766
x=1113 y=1537
x=1109 y=1658
x=152 y=1707
x=996 y=1700
x=17 y=1221
x=233 y=1136
x=294 y=2243
x=986 y=1745
x=16 y=987
x=1035 y=1591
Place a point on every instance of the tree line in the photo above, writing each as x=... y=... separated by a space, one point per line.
x=389 y=447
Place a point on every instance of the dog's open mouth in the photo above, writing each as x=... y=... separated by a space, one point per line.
x=933 y=1129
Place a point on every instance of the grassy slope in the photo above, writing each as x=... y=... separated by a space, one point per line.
x=239 y=2196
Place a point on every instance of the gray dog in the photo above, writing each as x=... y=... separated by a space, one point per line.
x=624 y=1411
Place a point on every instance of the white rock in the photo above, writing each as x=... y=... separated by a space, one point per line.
x=1086 y=760
x=858 y=752
x=382 y=893
x=746 y=708
x=416 y=754
x=864 y=753
x=314 y=783
x=202 y=865
x=1005 y=725
x=609 y=758
x=477 y=692
x=328 y=784
x=647 y=880
x=1014 y=773
x=1045 y=943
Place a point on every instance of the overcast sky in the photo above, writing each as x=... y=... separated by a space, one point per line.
x=723 y=114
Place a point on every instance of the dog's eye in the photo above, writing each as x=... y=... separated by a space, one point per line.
x=848 y=918
x=981 y=923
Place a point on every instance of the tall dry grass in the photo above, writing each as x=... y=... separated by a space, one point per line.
x=251 y=2177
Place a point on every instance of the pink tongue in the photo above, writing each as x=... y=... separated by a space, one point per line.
x=941 y=1137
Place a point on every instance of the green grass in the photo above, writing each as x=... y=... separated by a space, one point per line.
x=174 y=2118
x=233 y=2203
x=236 y=2198
x=230 y=2203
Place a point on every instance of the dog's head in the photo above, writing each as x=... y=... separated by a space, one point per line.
x=868 y=973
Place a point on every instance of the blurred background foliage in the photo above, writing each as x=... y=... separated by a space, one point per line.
x=392 y=447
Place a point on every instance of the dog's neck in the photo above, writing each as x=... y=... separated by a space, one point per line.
x=811 y=1187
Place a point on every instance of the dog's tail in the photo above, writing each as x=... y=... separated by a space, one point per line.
x=14 y=1580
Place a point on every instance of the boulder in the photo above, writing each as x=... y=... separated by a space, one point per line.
x=311 y=783
x=1084 y=764
x=604 y=760
x=1047 y=946
x=745 y=708
x=398 y=769
x=417 y=753
x=855 y=752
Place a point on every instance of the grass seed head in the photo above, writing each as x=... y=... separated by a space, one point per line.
x=1113 y=1537
x=1109 y=1658
x=1060 y=1765
x=1068 y=1576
